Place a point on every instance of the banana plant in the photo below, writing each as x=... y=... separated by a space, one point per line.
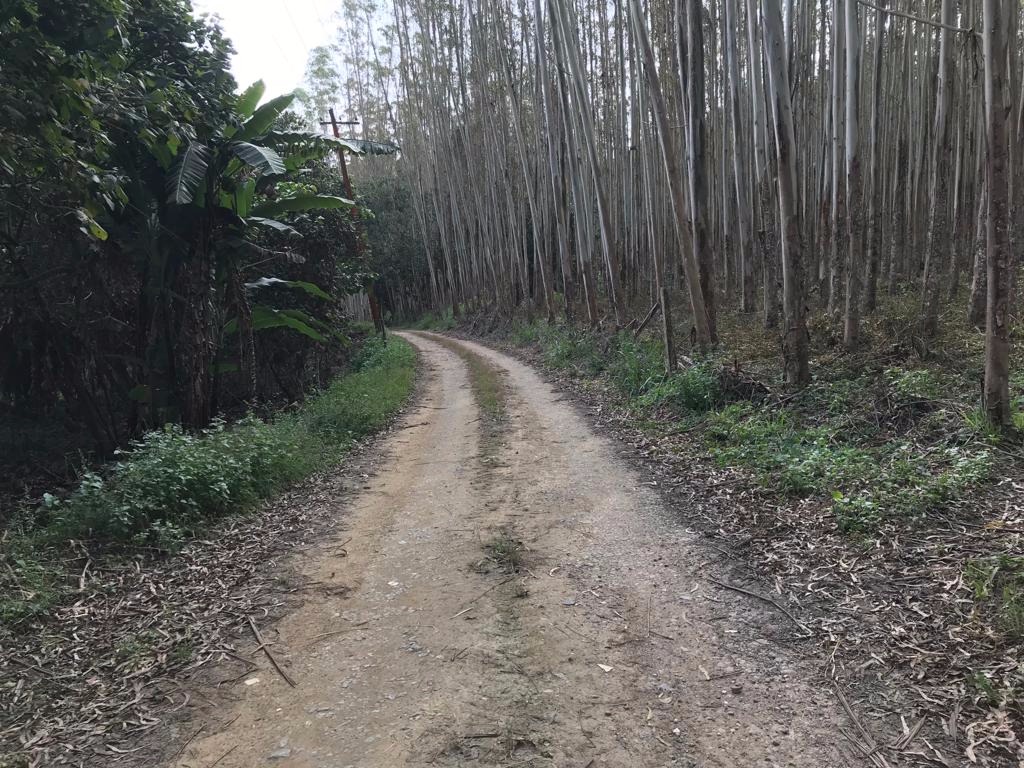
x=244 y=159
x=219 y=194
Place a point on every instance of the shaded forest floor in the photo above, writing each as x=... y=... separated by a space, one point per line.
x=875 y=506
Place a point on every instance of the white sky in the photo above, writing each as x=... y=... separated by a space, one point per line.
x=272 y=38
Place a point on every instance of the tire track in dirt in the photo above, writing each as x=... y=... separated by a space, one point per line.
x=602 y=644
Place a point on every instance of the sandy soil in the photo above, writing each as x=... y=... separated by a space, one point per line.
x=608 y=646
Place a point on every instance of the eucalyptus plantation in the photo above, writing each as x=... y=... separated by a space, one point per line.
x=578 y=158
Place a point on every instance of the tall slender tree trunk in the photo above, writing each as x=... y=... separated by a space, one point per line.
x=695 y=139
x=838 y=252
x=939 y=235
x=979 y=273
x=854 y=193
x=745 y=260
x=670 y=158
x=1000 y=262
x=763 y=216
x=571 y=55
x=795 y=340
x=874 y=222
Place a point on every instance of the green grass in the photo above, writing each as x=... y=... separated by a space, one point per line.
x=435 y=322
x=171 y=484
x=484 y=378
x=636 y=369
x=867 y=481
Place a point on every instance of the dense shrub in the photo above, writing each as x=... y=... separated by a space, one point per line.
x=692 y=390
x=435 y=322
x=172 y=481
x=570 y=349
x=634 y=367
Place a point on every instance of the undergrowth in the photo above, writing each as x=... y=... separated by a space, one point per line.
x=876 y=438
x=435 y=322
x=998 y=585
x=169 y=485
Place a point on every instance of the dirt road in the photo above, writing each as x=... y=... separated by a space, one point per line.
x=509 y=592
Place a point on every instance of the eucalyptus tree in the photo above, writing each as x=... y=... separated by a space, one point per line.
x=854 y=181
x=1000 y=262
x=939 y=234
x=741 y=176
x=691 y=56
x=874 y=191
x=795 y=341
x=322 y=85
x=670 y=158
x=604 y=153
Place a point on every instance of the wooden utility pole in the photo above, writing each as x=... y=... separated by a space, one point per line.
x=375 y=313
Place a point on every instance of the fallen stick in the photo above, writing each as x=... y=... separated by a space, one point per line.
x=189 y=741
x=870 y=749
x=85 y=572
x=263 y=646
x=325 y=635
x=650 y=315
x=489 y=589
x=218 y=760
x=768 y=600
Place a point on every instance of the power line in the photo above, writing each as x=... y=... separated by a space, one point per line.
x=295 y=26
x=316 y=10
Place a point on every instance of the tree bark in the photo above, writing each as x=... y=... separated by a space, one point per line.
x=795 y=340
x=1000 y=262
x=854 y=193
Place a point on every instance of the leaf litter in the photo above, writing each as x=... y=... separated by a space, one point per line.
x=125 y=657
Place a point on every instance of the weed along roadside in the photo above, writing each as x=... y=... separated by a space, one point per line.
x=153 y=563
x=874 y=505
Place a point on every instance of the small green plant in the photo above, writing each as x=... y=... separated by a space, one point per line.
x=920 y=384
x=525 y=334
x=570 y=349
x=182 y=652
x=634 y=367
x=506 y=551
x=30 y=586
x=135 y=648
x=694 y=390
x=856 y=514
x=986 y=689
x=978 y=425
x=998 y=586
